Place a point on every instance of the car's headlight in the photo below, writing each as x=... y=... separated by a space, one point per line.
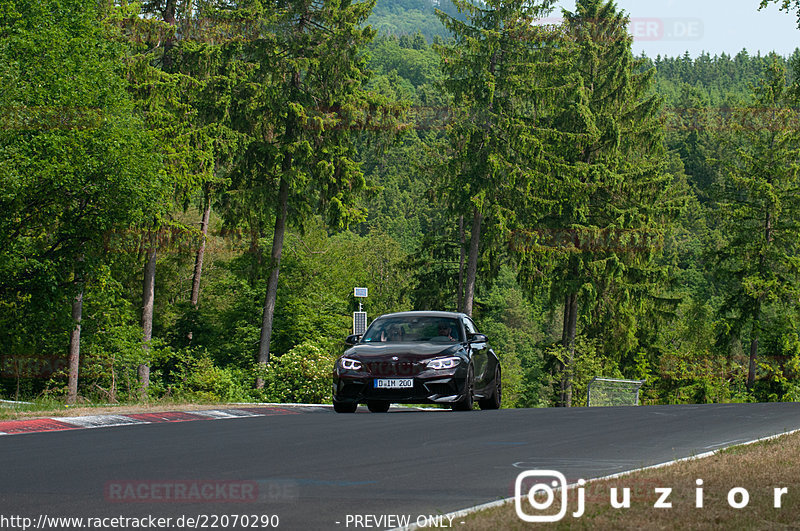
x=444 y=363
x=351 y=365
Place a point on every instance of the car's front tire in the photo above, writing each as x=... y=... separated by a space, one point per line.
x=465 y=404
x=493 y=402
x=378 y=406
x=344 y=407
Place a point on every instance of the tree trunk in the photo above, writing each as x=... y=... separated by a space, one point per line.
x=754 y=335
x=75 y=347
x=272 y=286
x=560 y=364
x=568 y=341
x=751 y=371
x=18 y=376
x=460 y=302
x=198 y=261
x=148 y=296
x=569 y=331
x=168 y=16
x=472 y=263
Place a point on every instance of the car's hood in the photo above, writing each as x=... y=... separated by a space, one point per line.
x=408 y=352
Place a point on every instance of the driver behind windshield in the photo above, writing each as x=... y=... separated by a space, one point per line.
x=393 y=333
x=418 y=329
x=445 y=332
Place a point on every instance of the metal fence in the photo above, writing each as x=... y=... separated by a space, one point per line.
x=613 y=392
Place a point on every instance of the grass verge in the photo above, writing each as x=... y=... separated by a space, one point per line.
x=759 y=468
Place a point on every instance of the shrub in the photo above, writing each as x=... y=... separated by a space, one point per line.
x=199 y=378
x=304 y=375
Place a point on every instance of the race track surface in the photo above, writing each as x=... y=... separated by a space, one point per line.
x=312 y=468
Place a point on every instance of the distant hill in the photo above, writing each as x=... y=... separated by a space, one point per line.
x=407 y=17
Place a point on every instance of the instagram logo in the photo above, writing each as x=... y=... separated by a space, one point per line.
x=535 y=496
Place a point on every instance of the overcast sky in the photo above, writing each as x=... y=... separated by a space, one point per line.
x=671 y=27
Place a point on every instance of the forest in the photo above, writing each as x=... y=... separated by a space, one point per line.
x=191 y=189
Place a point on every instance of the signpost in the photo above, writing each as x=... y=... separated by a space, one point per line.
x=360 y=317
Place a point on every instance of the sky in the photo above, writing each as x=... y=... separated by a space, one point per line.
x=672 y=27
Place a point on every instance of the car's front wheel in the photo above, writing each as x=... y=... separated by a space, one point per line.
x=344 y=407
x=493 y=402
x=465 y=404
x=378 y=406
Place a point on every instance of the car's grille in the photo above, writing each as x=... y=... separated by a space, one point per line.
x=393 y=369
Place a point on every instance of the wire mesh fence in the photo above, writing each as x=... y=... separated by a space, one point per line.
x=613 y=392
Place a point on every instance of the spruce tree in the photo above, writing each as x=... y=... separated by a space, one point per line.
x=491 y=69
x=301 y=103
x=611 y=190
x=180 y=80
x=758 y=208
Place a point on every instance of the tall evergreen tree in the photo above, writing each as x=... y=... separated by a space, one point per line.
x=181 y=80
x=758 y=208
x=300 y=106
x=490 y=69
x=608 y=165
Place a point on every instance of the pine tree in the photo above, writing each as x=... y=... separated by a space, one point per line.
x=611 y=188
x=301 y=105
x=758 y=208
x=491 y=70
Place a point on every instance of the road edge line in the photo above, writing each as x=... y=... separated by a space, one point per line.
x=498 y=503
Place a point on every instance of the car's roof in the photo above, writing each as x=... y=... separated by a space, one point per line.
x=451 y=315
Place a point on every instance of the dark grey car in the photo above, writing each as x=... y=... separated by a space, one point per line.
x=418 y=357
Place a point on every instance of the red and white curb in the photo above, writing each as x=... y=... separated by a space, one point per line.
x=16 y=427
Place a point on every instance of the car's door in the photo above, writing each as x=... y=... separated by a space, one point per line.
x=480 y=356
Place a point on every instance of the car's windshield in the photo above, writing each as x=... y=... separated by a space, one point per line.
x=436 y=329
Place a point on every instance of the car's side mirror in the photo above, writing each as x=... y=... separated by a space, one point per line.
x=353 y=339
x=478 y=338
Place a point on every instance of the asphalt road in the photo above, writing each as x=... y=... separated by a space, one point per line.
x=314 y=468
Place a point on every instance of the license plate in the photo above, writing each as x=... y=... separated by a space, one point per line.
x=397 y=383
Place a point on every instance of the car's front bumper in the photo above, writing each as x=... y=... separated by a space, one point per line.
x=434 y=387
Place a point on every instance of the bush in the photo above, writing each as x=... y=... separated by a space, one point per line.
x=304 y=375
x=199 y=379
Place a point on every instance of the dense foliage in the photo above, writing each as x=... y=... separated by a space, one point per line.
x=599 y=214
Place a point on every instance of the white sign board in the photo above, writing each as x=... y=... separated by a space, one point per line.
x=360 y=292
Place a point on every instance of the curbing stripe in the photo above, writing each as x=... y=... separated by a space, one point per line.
x=101 y=421
x=491 y=505
x=225 y=413
x=169 y=416
x=256 y=409
x=15 y=427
